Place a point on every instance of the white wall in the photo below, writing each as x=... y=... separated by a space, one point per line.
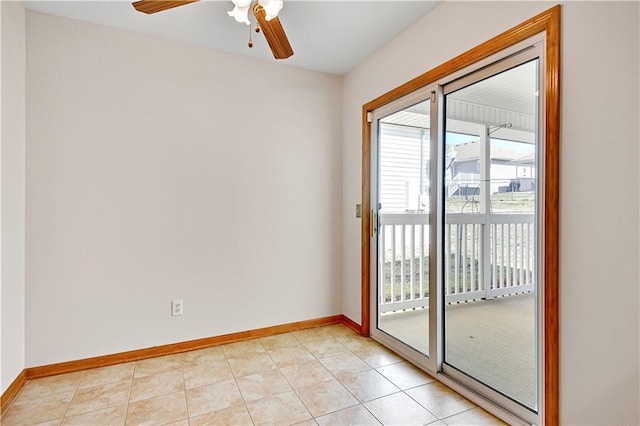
x=599 y=323
x=599 y=215
x=12 y=176
x=160 y=171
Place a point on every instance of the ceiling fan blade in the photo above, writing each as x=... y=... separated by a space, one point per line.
x=274 y=33
x=153 y=6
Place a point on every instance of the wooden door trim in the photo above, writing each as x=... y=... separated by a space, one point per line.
x=547 y=22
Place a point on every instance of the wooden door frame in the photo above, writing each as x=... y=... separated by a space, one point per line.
x=549 y=23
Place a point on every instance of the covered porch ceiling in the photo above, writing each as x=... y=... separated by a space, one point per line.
x=506 y=102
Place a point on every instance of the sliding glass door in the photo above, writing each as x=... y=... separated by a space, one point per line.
x=490 y=229
x=455 y=237
x=403 y=237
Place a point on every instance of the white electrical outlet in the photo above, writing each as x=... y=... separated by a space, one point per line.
x=177 y=307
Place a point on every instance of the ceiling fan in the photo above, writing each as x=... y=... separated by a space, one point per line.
x=265 y=11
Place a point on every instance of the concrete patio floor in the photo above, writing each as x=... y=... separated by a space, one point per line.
x=492 y=340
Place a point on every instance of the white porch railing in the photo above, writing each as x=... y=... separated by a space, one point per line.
x=479 y=263
x=463 y=179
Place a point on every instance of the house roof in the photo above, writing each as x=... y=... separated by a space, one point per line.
x=470 y=151
x=526 y=160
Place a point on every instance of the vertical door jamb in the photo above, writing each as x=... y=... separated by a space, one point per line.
x=436 y=215
x=365 y=241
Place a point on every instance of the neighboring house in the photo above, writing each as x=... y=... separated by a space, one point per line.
x=403 y=181
x=511 y=171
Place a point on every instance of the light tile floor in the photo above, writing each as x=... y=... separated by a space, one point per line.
x=320 y=376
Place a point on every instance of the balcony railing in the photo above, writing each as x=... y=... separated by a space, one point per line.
x=485 y=256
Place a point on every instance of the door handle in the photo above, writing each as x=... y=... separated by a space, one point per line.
x=372 y=219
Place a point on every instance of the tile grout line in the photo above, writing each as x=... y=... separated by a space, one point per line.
x=295 y=392
x=456 y=414
x=184 y=387
x=72 y=397
x=400 y=390
x=363 y=403
x=474 y=406
x=315 y=359
x=17 y=397
x=133 y=376
x=235 y=379
x=337 y=379
x=160 y=372
x=418 y=402
x=323 y=366
x=65 y=415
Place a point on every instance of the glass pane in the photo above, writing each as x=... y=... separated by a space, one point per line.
x=490 y=249
x=403 y=237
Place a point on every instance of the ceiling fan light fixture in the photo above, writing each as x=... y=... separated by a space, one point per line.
x=240 y=14
x=241 y=11
x=271 y=7
x=265 y=12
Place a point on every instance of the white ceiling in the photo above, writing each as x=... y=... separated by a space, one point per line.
x=327 y=36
